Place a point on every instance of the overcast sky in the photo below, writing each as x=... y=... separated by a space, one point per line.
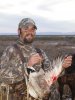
x=49 y=15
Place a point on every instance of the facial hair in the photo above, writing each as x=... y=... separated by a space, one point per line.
x=27 y=40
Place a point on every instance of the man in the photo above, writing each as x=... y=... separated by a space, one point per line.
x=18 y=59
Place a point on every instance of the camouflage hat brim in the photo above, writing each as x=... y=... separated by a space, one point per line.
x=26 y=22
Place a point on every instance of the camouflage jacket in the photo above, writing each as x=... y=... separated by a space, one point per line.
x=11 y=65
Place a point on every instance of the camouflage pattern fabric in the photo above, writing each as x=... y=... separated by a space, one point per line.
x=11 y=66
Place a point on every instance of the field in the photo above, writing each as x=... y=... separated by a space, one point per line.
x=53 y=45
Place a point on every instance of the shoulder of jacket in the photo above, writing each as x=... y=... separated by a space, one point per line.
x=10 y=49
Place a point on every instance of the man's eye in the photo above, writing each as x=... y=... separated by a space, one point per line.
x=25 y=29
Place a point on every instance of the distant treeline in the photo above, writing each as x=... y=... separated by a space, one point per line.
x=40 y=37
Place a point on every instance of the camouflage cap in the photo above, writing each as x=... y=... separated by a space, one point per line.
x=26 y=22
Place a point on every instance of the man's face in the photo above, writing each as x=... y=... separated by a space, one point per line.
x=27 y=34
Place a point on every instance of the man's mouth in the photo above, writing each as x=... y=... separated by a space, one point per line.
x=29 y=36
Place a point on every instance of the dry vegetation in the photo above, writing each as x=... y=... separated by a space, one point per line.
x=53 y=45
